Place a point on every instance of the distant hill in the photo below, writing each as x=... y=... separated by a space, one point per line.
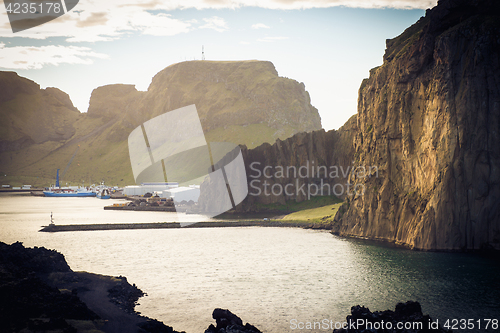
x=244 y=102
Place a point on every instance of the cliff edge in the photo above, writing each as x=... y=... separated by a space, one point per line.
x=428 y=118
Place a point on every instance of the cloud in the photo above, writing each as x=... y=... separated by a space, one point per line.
x=271 y=39
x=216 y=23
x=283 y=4
x=259 y=26
x=97 y=20
x=158 y=25
x=93 y=21
x=30 y=57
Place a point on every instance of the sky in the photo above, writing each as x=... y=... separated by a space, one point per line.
x=330 y=45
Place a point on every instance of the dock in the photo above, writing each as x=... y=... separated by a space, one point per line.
x=20 y=190
x=144 y=208
x=174 y=225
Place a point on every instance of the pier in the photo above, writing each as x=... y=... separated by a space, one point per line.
x=145 y=208
x=20 y=190
x=175 y=225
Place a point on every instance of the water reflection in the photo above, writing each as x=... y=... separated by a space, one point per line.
x=267 y=276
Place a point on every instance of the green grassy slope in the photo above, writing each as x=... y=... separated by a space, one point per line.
x=242 y=102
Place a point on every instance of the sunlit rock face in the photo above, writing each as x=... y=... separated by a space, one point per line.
x=429 y=119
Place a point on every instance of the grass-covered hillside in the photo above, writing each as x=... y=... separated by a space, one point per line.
x=243 y=102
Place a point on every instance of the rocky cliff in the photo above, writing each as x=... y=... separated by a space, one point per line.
x=429 y=118
x=298 y=168
x=240 y=93
x=31 y=115
x=421 y=156
x=243 y=102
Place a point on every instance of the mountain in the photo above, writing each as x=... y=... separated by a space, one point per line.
x=423 y=147
x=243 y=102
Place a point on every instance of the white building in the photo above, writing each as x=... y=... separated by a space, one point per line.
x=183 y=193
x=148 y=188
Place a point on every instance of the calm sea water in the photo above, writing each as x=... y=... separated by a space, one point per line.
x=267 y=276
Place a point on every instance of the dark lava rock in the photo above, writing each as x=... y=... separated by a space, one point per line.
x=125 y=295
x=29 y=303
x=17 y=258
x=155 y=326
x=26 y=301
x=408 y=315
x=227 y=322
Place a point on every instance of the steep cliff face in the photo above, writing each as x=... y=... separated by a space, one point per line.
x=234 y=93
x=31 y=115
x=243 y=102
x=114 y=101
x=296 y=169
x=428 y=118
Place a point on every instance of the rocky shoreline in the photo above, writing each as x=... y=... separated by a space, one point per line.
x=40 y=293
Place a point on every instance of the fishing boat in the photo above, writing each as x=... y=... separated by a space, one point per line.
x=63 y=192
x=57 y=191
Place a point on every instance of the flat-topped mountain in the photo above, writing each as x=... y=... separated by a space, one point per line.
x=243 y=102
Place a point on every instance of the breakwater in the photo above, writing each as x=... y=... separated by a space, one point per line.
x=170 y=225
x=145 y=208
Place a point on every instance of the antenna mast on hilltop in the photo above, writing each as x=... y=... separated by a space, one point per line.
x=202 y=52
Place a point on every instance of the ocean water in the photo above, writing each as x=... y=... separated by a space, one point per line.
x=270 y=277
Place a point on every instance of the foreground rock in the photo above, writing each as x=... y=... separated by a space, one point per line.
x=227 y=322
x=39 y=292
x=408 y=315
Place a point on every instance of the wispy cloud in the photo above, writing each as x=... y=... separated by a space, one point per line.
x=29 y=57
x=96 y=20
x=216 y=23
x=259 y=26
x=271 y=39
x=283 y=4
x=159 y=24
